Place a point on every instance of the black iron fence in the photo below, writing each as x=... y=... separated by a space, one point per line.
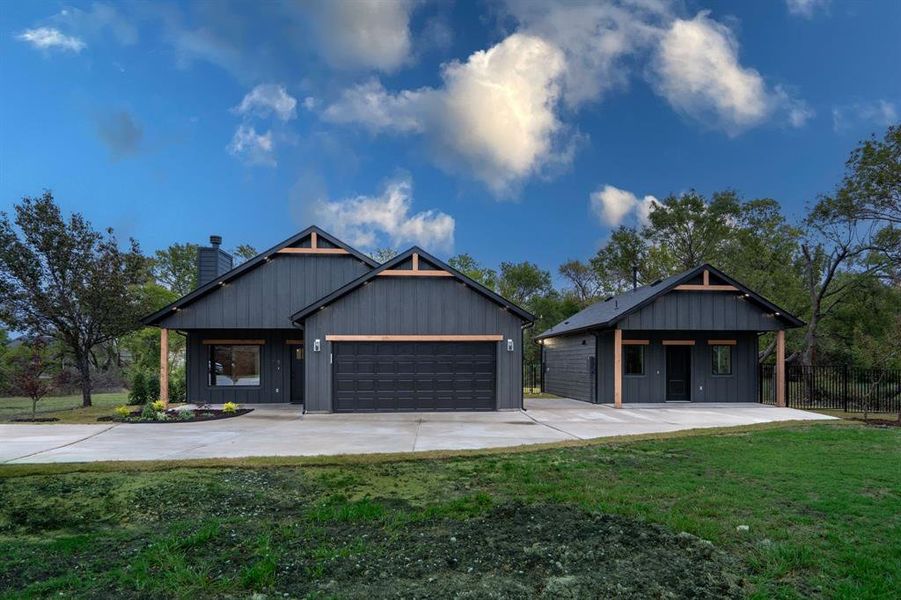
x=835 y=387
x=531 y=377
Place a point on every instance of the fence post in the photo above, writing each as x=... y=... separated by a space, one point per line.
x=845 y=373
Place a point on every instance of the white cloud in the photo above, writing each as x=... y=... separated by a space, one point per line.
x=612 y=205
x=365 y=220
x=860 y=115
x=366 y=34
x=266 y=99
x=494 y=117
x=48 y=38
x=696 y=68
x=805 y=8
x=251 y=147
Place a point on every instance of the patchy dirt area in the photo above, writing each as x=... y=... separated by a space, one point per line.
x=545 y=551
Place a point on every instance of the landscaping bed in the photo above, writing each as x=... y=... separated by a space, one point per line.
x=177 y=415
x=34 y=420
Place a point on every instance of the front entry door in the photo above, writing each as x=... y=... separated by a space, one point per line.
x=678 y=373
x=297 y=374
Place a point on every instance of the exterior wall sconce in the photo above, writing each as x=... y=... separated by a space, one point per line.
x=509 y=345
x=316 y=345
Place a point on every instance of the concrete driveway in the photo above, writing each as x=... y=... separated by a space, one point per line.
x=283 y=431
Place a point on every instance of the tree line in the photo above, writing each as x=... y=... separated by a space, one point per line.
x=78 y=293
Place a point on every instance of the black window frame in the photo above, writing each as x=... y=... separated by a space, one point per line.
x=641 y=354
x=714 y=348
x=210 y=378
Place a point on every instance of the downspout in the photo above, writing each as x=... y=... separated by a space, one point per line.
x=522 y=365
x=291 y=365
x=597 y=370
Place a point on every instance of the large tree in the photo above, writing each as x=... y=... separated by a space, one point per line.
x=473 y=269
x=61 y=278
x=175 y=268
x=523 y=282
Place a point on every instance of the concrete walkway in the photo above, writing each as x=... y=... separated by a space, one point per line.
x=283 y=431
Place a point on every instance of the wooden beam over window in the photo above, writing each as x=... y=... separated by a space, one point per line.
x=294 y=342
x=678 y=342
x=313 y=251
x=618 y=368
x=491 y=337
x=164 y=366
x=234 y=342
x=722 y=342
x=636 y=342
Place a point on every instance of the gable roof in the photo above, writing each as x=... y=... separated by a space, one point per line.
x=399 y=259
x=607 y=313
x=251 y=264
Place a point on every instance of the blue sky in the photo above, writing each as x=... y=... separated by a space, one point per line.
x=508 y=130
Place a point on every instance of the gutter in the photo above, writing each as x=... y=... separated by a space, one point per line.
x=522 y=372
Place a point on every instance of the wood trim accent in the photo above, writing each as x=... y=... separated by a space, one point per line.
x=416 y=261
x=233 y=342
x=780 y=368
x=678 y=342
x=312 y=251
x=294 y=342
x=693 y=287
x=722 y=342
x=706 y=277
x=164 y=366
x=636 y=342
x=415 y=338
x=314 y=240
x=409 y=273
x=617 y=368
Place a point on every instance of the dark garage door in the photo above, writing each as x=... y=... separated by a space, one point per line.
x=398 y=376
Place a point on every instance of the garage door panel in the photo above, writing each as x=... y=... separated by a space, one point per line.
x=411 y=376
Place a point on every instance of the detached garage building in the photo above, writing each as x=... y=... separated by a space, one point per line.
x=314 y=322
x=692 y=337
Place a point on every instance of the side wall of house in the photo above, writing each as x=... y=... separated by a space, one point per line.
x=268 y=295
x=567 y=366
x=412 y=306
x=740 y=386
x=275 y=367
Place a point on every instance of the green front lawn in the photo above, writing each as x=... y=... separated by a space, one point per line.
x=821 y=502
x=65 y=408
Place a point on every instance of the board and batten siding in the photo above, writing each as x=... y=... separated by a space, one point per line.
x=701 y=311
x=275 y=368
x=412 y=306
x=740 y=386
x=266 y=296
x=567 y=369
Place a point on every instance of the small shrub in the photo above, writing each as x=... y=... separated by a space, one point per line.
x=186 y=415
x=158 y=405
x=161 y=416
x=153 y=388
x=229 y=407
x=138 y=392
x=148 y=413
x=178 y=386
x=123 y=411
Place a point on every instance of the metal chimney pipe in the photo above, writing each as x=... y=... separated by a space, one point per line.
x=215 y=241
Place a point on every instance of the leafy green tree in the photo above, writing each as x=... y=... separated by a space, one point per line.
x=473 y=269
x=383 y=255
x=243 y=253
x=585 y=285
x=30 y=373
x=523 y=282
x=175 y=268
x=628 y=248
x=62 y=279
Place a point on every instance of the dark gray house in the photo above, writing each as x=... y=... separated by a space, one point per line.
x=314 y=322
x=689 y=337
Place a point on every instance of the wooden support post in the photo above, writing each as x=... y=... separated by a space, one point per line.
x=780 y=368
x=618 y=368
x=164 y=365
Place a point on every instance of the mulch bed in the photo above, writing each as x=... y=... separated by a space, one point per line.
x=35 y=420
x=201 y=414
